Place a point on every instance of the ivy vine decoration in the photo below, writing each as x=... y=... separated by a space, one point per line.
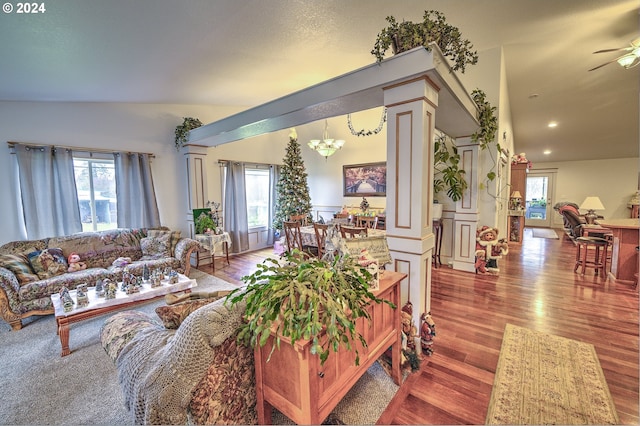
x=486 y=134
x=405 y=35
x=182 y=130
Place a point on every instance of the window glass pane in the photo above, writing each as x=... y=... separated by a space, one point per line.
x=257 y=187
x=96 y=185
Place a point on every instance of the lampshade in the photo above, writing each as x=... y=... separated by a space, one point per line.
x=592 y=203
x=516 y=194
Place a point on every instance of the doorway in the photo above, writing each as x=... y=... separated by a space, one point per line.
x=539 y=193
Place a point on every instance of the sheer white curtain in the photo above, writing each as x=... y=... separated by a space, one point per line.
x=135 y=194
x=48 y=191
x=235 y=207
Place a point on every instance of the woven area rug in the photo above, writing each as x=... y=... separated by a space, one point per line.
x=544 y=233
x=547 y=379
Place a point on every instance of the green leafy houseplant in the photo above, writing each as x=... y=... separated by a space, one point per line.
x=486 y=134
x=299 y=298
x=182 y=130
x=405 y=35
x=449 y=175
x=204 y=222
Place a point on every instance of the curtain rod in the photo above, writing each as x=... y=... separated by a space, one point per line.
x=11 y=144
x=221 y=161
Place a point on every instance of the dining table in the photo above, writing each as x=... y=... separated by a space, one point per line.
x=309 y=235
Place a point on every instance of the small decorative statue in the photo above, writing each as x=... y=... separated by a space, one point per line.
x=110 y=289
x=66 y=300
x=364 y=205
x=409 y=330
x=427 y=333
x=489 y=249
x=75 y=264
x=371 y=264
x=173 y=277
x=81 y=294
x=100 y=288
x=145 y=273
x=155 y=279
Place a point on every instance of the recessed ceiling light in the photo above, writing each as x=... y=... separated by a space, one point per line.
x=546 y=152
x=552 y=124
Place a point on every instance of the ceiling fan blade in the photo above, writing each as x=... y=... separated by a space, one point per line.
x=614 y=50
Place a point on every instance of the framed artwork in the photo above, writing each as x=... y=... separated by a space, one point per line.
x=365 y=180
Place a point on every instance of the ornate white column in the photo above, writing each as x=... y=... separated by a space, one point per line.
x=411 y=108
x=466 y=215
x=197 y=190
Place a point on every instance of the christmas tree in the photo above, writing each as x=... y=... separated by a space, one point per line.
x=292 y=187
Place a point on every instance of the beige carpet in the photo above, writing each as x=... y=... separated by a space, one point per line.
x=547 y=379
x=544 y=233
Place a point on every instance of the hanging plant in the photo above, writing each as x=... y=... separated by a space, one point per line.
x=406 y=35
x=449 y=176
x=182 y=131
x=486 y=134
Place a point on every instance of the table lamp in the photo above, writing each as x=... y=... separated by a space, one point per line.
x=591 y=204
x=516 y=200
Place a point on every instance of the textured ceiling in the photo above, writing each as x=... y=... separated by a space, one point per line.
x=230 y=52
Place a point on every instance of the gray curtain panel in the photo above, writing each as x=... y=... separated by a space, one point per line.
x=235 y=207
x=135 y=194
x=274 y=176
x=48 y=191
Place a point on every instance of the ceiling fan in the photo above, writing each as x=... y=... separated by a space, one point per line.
x=628 y=60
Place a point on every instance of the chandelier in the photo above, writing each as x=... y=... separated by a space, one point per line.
x=327 y=146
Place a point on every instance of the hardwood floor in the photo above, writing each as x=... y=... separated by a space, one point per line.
x=536 y=288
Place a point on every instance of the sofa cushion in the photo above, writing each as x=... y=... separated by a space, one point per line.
x=173 y=315
x=48 y=263
x=20 y=266
x=174 y=237
x=156 y=247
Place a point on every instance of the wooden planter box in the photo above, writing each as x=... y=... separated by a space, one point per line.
x=293 y=380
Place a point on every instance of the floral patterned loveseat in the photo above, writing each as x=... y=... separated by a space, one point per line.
x=31 y=271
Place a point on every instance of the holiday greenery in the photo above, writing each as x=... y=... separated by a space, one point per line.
x=292 y=187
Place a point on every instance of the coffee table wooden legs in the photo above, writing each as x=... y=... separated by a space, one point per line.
x=63 y=332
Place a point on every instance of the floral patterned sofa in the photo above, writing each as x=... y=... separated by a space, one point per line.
x=31 y=271
x=186 y=369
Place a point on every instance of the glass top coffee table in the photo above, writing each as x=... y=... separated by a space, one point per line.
x=100 y=305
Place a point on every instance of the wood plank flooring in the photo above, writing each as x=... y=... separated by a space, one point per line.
x=536 y=288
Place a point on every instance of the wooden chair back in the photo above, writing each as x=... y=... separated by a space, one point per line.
x=293 y=235
x=300 y=218
x=321 y=237
x=370 y=222
x=352 y=231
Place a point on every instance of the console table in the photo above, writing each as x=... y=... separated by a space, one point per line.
x=293 y=381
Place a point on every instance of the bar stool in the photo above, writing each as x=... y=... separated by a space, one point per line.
x=599 y=261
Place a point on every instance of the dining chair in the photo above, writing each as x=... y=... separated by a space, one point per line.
x=293 y=235
x=352 y=231
x=370 y=222
x=300 y=218
x=321 y=237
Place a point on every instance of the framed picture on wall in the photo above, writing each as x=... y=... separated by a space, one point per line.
x=360 y=180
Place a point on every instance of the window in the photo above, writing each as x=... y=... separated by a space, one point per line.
x=96 y=184
x=257 y=187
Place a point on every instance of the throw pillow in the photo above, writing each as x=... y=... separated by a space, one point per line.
x=155 y=247
x=20 y=266
x=173 y=239
x=173 y=315
x=48 y=263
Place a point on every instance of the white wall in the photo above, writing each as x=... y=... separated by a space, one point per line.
x=614 y=181
x=113 y=126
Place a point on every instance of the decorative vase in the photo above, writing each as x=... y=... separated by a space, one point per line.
x=437 y=211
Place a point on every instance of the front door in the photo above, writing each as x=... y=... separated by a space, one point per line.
x=539 y=195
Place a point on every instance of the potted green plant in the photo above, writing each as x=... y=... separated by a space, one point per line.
x=406 y=35
x=302 y=298
x=449 y=176
x=203 y=223
x=182 y=130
